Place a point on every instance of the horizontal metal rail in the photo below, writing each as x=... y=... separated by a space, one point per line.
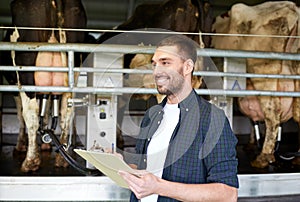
x=131 y=90
x=125 y=49
x=145 y=71
x=112 y=48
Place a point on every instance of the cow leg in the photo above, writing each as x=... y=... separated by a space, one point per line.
x=296 y=116
x=30 y=114
x=66 y=114
x=296 y=160
x=22 y=138
x=270 y=106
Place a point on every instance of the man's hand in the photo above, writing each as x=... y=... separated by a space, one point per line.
x=142 y=183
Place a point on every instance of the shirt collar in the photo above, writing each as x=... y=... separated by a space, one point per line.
x=184 y=104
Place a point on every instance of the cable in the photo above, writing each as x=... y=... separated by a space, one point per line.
x=150 y=31
x=69 y=159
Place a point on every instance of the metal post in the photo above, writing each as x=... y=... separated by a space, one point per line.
x=71 y=66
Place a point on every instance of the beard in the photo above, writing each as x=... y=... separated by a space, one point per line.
x=175 y=86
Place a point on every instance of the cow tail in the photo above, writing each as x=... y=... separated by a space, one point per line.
x=59 y=13
x=205 y=21
x=200 y=23
x=14 y=38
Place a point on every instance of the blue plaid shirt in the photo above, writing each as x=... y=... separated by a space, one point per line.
x=202 y=148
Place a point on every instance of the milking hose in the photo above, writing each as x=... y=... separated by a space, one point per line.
x=69 y=159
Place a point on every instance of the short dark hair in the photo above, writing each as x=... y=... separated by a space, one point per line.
x=186 y=46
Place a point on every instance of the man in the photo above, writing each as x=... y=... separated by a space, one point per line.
x=185 y=144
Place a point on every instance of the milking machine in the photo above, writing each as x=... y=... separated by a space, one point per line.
x=44 y=98
x=101 y=113
x=48 y=135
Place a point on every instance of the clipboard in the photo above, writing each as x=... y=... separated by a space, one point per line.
x=109 y=164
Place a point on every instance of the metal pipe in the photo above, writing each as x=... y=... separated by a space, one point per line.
x=246 y=75
x=107 y=48
x=208 y=52
x=242 y=93
x=134 y=49
x=71 y=67
x=117 y=48
x=145 y=71
x=131 y=90
x=34 y=68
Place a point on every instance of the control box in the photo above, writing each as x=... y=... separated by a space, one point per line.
x=101 y=126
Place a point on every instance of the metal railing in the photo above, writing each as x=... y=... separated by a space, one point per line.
x=71 y=48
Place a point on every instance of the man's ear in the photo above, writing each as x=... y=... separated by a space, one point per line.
x=188 y=66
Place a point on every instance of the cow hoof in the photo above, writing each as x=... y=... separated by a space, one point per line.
x=60 y=161
x=46 y=147
x=296 y=161
x=263 y=160
x=31 y=164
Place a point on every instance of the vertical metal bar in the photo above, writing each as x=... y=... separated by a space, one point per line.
x=71 y=68
x=225 y=69
x=71 y=64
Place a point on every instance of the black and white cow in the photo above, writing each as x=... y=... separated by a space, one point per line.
x=42 y=14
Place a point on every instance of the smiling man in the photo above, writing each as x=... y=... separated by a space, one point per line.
x=185 y=147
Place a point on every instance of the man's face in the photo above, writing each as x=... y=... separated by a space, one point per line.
x=168 y=70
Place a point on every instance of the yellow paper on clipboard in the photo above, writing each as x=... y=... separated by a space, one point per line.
x=109 y=164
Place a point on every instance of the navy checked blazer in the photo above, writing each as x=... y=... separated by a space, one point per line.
x=202 y=148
